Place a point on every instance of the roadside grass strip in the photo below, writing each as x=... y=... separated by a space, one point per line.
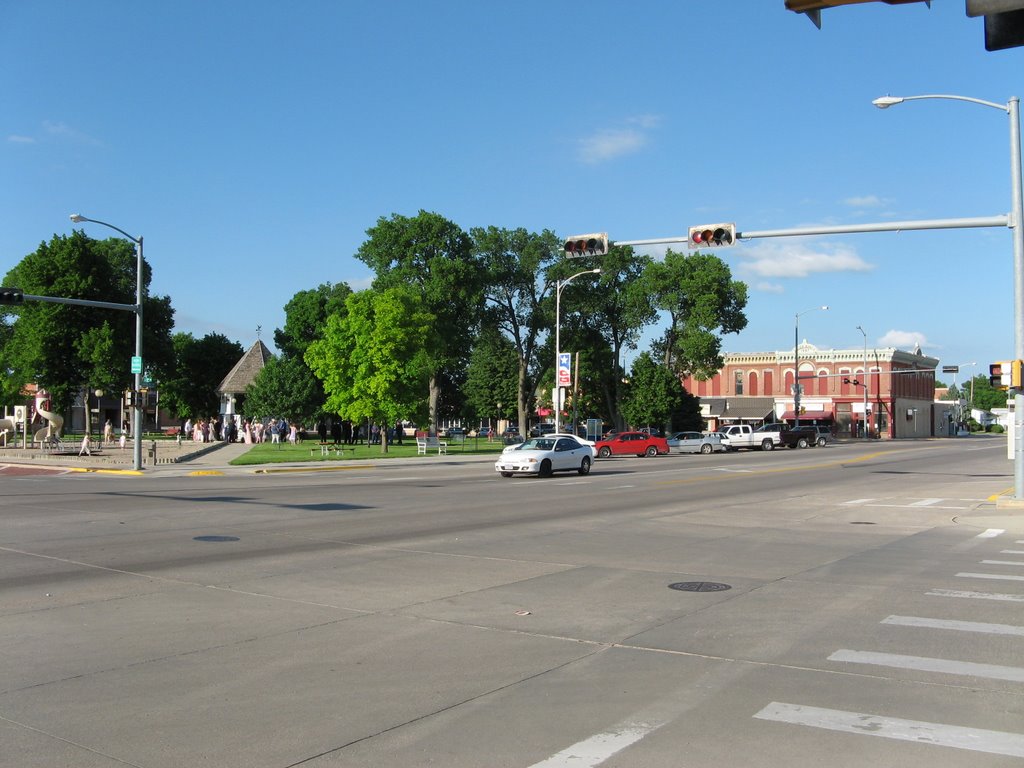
x=917 y=731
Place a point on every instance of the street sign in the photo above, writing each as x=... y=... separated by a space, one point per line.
x=136 y=364
x=564 y=369
x=951 y=369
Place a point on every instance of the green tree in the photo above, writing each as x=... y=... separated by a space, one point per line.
x=517 y=302
x=491 y=379
x=200 y=365
x=604 y=316
x=375 y=359
x=431 y=256
x=655 y=397
x=286 y=387
x=703 y=303
x=986 y=397
x=68 y=348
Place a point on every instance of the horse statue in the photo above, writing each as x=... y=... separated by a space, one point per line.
x=51 y=432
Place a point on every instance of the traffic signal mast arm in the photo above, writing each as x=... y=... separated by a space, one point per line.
x=847 y=229
x=78 y=302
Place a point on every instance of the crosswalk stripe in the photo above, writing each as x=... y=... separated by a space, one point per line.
x=996 y=576
x=1001 y=562
x=925 y=664
x=991 y=533
x=975 y=595
x=1011 y=552
x=918 y=731
x=961 y=626
x=598 y=748
x=925 y=502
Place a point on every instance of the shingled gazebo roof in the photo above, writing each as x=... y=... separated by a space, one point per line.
x=245 y=370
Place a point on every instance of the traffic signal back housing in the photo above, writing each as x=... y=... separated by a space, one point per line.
x=594 y=244
x=11 y=296
x=712 y=236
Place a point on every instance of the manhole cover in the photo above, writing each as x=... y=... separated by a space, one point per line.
x=699 y=586
x=214 y=538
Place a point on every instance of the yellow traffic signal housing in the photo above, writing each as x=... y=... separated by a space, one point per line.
x=1015 y=380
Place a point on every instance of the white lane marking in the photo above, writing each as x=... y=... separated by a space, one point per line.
x=1002 y=562
x=925 y=664
x=857 y=501
x=976 y=595
x=925 y=502
x=996 y=576
x=919 y=731
x=991 y=533
x=734 y=471
x=960 y=626
x=598 y=748
x=910 y=506
x=1011 y=552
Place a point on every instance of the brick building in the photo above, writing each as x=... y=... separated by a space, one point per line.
x=757 y=387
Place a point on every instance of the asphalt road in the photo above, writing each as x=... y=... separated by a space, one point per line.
x=853 y=605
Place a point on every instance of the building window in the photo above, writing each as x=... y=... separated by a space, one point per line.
x=739 y=383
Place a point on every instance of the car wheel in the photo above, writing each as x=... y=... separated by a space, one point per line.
x=545 y=468
x=506 y=474
x=651 y=451
x=706 y=448
x=767 y=445
x=802 y=443
x=821 y=442
x=585 y=466
x=605 y=452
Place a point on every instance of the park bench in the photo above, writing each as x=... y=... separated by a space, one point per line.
x=327 y=448
x=429 y=443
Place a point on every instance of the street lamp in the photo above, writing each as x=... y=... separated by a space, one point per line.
x=867 y=429
x=796 y=362
x=559 y=285
x=1016 y=225
x=137 y=409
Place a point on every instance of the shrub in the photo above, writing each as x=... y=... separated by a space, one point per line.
x=996 y=428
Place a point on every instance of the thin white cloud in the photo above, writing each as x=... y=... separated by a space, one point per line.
x=904 y=340
x=609 y=143
x=16 y=139
x=766 y=287
x=65 y=132
x=865 y=201
x=775 y=260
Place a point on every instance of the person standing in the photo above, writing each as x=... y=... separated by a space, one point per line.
x=108 y=434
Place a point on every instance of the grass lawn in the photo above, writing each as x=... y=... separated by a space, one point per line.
x=272 y=453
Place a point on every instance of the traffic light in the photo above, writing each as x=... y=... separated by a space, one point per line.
x=595 y=244
x=11 y=296
x=1015 y=381
x=129 y=398
x=712 y=236
x=999 y=374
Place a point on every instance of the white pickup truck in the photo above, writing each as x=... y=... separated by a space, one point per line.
x=764 y=438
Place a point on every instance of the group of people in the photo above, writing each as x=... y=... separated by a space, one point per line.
x=345 y=432
x=250 y=432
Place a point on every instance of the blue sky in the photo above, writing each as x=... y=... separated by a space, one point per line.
x=253 y=143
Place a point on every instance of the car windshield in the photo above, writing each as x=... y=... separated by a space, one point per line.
x=538 y=444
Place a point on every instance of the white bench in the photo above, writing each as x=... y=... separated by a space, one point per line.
x=429 y=443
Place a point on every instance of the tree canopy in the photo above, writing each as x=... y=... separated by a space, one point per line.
x=67 y=348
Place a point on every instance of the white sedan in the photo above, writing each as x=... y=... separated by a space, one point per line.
x=544 y=455
x=696 y=442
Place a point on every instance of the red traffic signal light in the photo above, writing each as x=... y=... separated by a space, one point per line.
x=587 y=245
x=712 y=236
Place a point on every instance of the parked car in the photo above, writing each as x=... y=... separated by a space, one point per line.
x=540 y=430
x=824 y=435
x=544 y=455
x=510 y=432
x=696 y=442
x=632 y=444
x=459 y=433
x=485 y=432
x=800 y=437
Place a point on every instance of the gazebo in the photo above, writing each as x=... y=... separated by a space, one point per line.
x=240 y=377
